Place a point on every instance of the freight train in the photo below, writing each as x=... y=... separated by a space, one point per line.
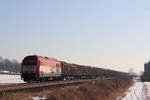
x=38 y=68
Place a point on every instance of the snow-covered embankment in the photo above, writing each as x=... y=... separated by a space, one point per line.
x=139 y=91
x=10 y=79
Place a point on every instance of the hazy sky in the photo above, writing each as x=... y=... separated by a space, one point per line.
x=111 y=34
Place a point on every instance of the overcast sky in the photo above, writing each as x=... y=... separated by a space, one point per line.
x=112 y=34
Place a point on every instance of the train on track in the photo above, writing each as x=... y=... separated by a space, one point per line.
x=38 y=68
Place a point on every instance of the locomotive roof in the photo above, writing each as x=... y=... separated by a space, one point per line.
x=49 y=58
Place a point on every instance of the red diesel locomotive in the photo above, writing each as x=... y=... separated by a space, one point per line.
x=37 y=68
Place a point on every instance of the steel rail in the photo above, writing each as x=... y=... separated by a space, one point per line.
x=40 y=85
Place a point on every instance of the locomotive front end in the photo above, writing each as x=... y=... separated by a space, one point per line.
x=29 y=68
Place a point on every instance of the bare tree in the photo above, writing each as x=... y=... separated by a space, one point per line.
x=12 y=66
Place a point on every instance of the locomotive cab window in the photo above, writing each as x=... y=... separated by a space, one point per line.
x=29 y=66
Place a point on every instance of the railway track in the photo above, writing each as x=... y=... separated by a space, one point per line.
x=28 y=87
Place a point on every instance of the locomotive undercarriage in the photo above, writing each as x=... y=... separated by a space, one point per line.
x=36 y=77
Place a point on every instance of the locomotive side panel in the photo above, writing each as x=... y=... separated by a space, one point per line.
x=49 y=68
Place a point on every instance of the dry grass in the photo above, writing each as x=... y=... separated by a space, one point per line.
x=97 y=90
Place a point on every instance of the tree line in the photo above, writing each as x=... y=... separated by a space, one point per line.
x=9 y=66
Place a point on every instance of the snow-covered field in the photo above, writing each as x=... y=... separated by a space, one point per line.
x=139 y=91
x=10 y=79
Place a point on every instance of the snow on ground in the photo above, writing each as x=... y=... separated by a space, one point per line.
x=10 y=79
x=139 y=91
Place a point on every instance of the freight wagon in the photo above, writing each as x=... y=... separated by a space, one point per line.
x=38 y=68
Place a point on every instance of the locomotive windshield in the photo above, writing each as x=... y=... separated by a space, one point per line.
x=29 y=66
x=29 y=63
